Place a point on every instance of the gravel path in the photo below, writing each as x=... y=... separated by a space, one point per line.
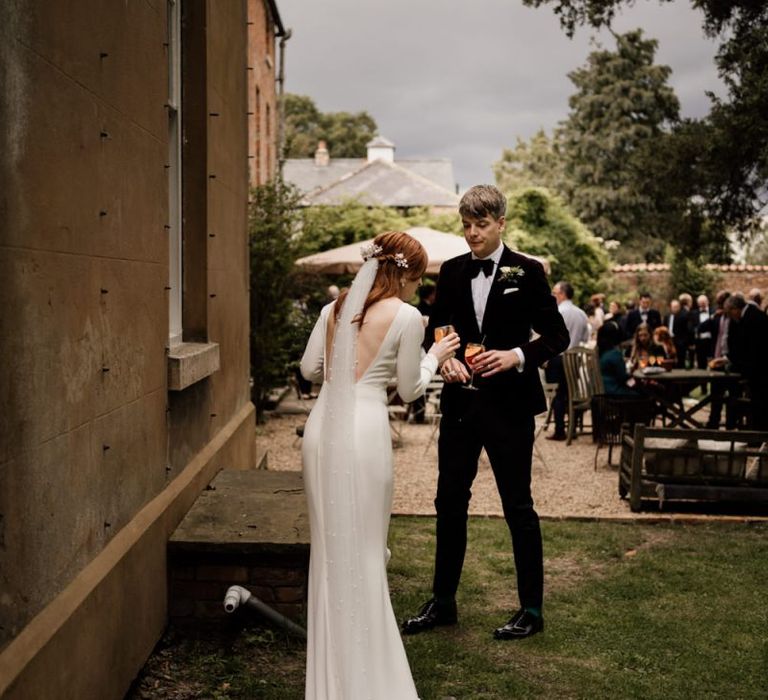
x=565 y=483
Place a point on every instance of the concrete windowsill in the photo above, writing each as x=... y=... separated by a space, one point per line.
x=190 y=362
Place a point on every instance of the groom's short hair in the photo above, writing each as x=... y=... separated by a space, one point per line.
x=483 y=200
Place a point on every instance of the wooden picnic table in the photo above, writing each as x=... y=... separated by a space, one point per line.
x=677 y=384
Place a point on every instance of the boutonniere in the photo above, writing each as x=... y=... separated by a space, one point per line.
x=511 y=273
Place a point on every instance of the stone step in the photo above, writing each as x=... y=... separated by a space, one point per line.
x=249 y=528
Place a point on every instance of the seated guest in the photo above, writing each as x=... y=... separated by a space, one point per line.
x=612 y=365
x=661 y=336
x=643 y=348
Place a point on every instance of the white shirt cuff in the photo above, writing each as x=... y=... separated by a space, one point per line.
x=429 y=361
x=521 y=355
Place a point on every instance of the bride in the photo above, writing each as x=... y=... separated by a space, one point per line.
x=359 y=343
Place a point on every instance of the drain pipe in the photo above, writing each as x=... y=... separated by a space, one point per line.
x=237 y=596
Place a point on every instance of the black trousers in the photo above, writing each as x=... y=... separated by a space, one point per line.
x=555 y=373
x=509 y=443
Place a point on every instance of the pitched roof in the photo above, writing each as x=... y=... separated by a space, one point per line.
x=307 y=176
x=385 y=184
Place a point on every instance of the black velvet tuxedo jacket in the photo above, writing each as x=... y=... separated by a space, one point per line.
x=515 y=306
x=748 y=347
x=634 y=319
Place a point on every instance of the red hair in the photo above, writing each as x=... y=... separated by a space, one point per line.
x=389 y=274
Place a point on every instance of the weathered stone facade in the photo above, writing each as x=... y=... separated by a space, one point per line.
x=99 y=460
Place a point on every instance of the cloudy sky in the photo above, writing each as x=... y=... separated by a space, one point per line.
x=463 y=78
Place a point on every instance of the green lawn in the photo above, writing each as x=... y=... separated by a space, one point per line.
x=632 y=611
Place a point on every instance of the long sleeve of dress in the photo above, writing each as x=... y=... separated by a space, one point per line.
x=415 y=369
x=313 y=360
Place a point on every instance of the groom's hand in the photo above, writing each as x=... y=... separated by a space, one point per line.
x=453 y=371
x=494 y=361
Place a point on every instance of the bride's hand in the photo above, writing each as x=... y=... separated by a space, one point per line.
x=446 y=348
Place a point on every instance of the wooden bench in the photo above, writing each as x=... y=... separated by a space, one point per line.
x=676 y=464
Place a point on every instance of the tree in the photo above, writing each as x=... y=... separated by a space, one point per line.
x=540 y=224
x=345 y=134
x=734 y=165
x=757 y=250
x=272 y=226
x=536 y=163
x=621 y=109
x=689 y=274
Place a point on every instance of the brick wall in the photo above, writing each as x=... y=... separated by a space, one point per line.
x=262 y=98
x=197 y=582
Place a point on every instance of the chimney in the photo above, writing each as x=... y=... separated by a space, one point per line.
x=380 y=148
x=322 y=157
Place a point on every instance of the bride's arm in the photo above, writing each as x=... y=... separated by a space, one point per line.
x=313 y=360
x=414 y=368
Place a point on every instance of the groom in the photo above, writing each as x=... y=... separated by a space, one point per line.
x=495 y=297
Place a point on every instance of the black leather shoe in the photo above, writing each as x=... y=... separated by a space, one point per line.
x=521 y=625
x=432 y=614
x=557 y=436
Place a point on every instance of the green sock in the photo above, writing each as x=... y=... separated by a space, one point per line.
x=534 y=611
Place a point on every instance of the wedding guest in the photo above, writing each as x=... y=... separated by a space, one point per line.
x=578 y=327
x=598 y=311
x=679 y=328
x=662 y=337
x=748 y=340
x=612 y=365
x=426 y=298
x=686 y=301
x=756 y=296
x=417 y=409
x=718 y=327
x=702 y=333
x=642 y=314
x=615 y=313
x=686 y=304
x=643 y=347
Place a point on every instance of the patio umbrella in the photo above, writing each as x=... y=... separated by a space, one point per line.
x=440 y=246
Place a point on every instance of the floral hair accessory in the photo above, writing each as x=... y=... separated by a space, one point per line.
x=400 y=260
x=371 y=250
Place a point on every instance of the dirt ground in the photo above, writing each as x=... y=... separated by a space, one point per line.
x=565 y=482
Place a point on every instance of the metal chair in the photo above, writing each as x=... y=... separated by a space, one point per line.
x=582 y=374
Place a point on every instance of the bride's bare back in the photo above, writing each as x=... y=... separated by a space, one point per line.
x=371 y=335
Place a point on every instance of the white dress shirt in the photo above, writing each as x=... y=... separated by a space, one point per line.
x=576 y=322
x=481 y=288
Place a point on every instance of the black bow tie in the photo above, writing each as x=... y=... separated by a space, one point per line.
x=476 y=265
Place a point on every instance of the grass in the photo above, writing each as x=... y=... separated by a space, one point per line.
x=632 y=611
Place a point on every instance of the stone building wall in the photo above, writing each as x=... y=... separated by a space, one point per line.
x=99 y=459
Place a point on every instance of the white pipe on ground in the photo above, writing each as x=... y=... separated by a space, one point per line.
x=237 y=596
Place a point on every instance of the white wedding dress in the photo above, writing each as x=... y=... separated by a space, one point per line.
x=354 y=649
